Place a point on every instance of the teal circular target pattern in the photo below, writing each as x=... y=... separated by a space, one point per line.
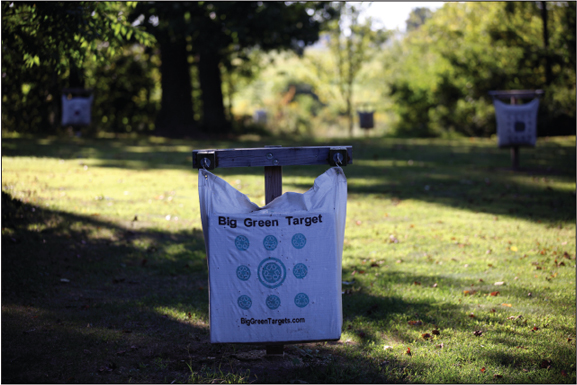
x=272 y=302
x=299 y=241
x=242 y=243
x=300 y=270
x=271 y=272
x=244 y=302
x=270 y=242
x=301 y=300
x=243 y=273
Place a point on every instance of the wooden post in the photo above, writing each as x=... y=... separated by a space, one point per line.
x=272 y=178
x=514 y=149
x=272 y=190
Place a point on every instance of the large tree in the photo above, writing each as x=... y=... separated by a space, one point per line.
x=168 y=22
x=217 y=31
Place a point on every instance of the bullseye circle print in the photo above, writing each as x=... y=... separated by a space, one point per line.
x=301 y=300
x=299 y=241
x=272 y=302
x=271 y=272
x=300 y=271
x=243 y=273
x=270 y=242
x=242 y=243
x=244 y=302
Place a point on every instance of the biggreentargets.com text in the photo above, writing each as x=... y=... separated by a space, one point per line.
x=270 y=321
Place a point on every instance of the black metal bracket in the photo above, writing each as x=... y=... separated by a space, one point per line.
x=338 y=155
x=205 y=159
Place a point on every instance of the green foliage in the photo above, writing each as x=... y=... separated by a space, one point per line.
x=441 y=73
x=45 y=46
x=417 y=17
x=126 y=90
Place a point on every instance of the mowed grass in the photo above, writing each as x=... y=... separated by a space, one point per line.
x=456 y=269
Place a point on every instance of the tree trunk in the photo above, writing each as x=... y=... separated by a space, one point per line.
x=214 y=119
x=548 y=72
x=176 y=116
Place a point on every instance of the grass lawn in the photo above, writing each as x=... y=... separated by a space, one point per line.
x=455 y=268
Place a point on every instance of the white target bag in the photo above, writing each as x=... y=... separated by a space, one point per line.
x=76 y=111
x=274 y=271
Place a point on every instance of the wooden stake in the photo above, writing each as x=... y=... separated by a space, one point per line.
x=272 y=190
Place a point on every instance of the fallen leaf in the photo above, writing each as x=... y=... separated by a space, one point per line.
x=514 y=248
x=499 y=283
x=436 y=332
x=416 y=283
x=506 y=304
x=374 y=264
x=481 y=280
x=483 y=370
x=478 y=332
x=566 y=255
x=569 y=339
x=469 y=292
x=472 y=315
x=362 y=334
x=494 y=293
x=493 y=310
x=415 y=323
x=563 y=373
x=546 y=364
x=490 y=265
x=426 y=336
x=535 y=328
x=408 y=352
x=361 y=272
x=497 y=376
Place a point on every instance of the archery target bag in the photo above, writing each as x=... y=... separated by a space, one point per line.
x=274 y=271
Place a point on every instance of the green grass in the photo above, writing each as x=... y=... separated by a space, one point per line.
x=104 y=276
